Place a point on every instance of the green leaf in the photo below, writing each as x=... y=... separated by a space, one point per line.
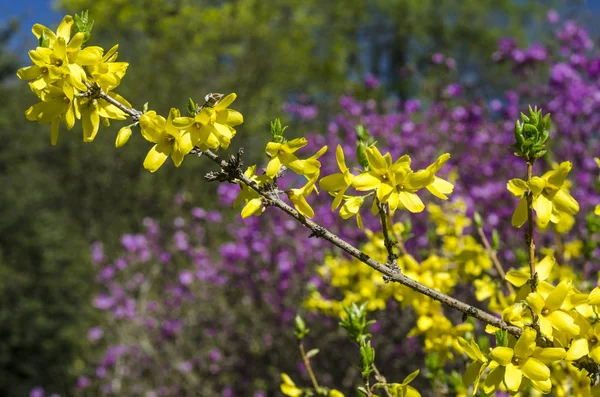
x=300 y=326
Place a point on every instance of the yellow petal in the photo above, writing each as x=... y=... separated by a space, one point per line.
x=376 y=160
x=517 y=187
x=512 y=377
x=439 y=163
x=64 y=29
x=536 y=184
x=543 y=209
x=54 y=124
x=520 y=215
x=225 y=102
x=411 y=201
x=544 y=267
x=294 y=144
x=549 y=355
x=333 y=183
x=89 y=56
x=594 y=298
x=383 y=191
x=366 y=181
x=301 y=205
x=440 y=188
x=578 y=349
x=563 y=322
x=535 y=369
x=418 y=180
x=557 y=177
x=518 y=278
x=564 y=202
x=273 y=167
x=536 y=302
x=502 y=355
x=29 y=72
x=557 y=297
x=339 y=157
x=253 y=207
x=157 y=156
x=525 y=345
x=90 y=120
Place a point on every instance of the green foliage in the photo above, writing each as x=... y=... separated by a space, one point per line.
x=356 y=323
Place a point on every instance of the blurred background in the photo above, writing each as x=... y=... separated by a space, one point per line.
x=117 y=281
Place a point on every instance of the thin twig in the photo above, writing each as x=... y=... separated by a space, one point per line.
x=529 y=233
x=306 y=360
x=317 y=230
x=392 y=261
x=381 y=379
x=494 y=257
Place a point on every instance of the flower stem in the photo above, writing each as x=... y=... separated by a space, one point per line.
x=306 y=360
x=529 y=233
x=494 y=257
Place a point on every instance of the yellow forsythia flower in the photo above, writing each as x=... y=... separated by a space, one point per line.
x=551 y=201
x=170 y=141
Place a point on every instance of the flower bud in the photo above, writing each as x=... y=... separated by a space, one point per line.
x=123 y=137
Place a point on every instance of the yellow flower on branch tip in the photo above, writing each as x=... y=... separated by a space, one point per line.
x=212 y=127
x=63 y=30
x=551 y=201
x=525 y=359
x=57 y=104
x=170 y=141
x=289 y=388
x=283 y=154
x=298 y=198
x=550 y=315
x=123 y=136
x=340 y=182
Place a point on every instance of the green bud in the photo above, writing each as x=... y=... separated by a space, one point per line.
x=356 y=323
x=300 y=326
x=361 y=133
x=531 y=135
x=502 y=338
x=361 y=155
x=192 y=107
x=495 y=240
x=145 y=107
x=44 y=41
x=277 y=131
x=367 y=357
x=312 y=353
x=83 y=24
x=477 y=219
x=123 y=136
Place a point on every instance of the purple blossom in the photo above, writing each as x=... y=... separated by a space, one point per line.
x=37 y=392
x=95 y=334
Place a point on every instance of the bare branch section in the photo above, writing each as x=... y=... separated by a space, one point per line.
x=231 y=171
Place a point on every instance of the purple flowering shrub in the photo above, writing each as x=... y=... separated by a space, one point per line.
x=192 y=312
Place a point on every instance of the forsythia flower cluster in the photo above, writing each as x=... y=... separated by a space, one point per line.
x=62 y=74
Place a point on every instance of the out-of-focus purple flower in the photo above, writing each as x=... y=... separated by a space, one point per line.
x=450 y=63
x=412 y=105
x=562 y=73
x=227 y=194
x=259 y=394
x=303 y=112
x=101 y=372
x=83 y=382
x=496 y=105
x=186 y=277
x=98 y=252
x=437 y=58
x=537 y=52
x=120 y=263
x=186 y=367
x=198 y=213
x=107 y=273
x=181 y=240
x=454 y=90
x=371 y=81
x=37 y=392
x=179 y=222
x=171 y=328
x=228 y=392
x=214 y=216
x=103 y=302
x=95 y=334
x=214 y=355
x=553 y=16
